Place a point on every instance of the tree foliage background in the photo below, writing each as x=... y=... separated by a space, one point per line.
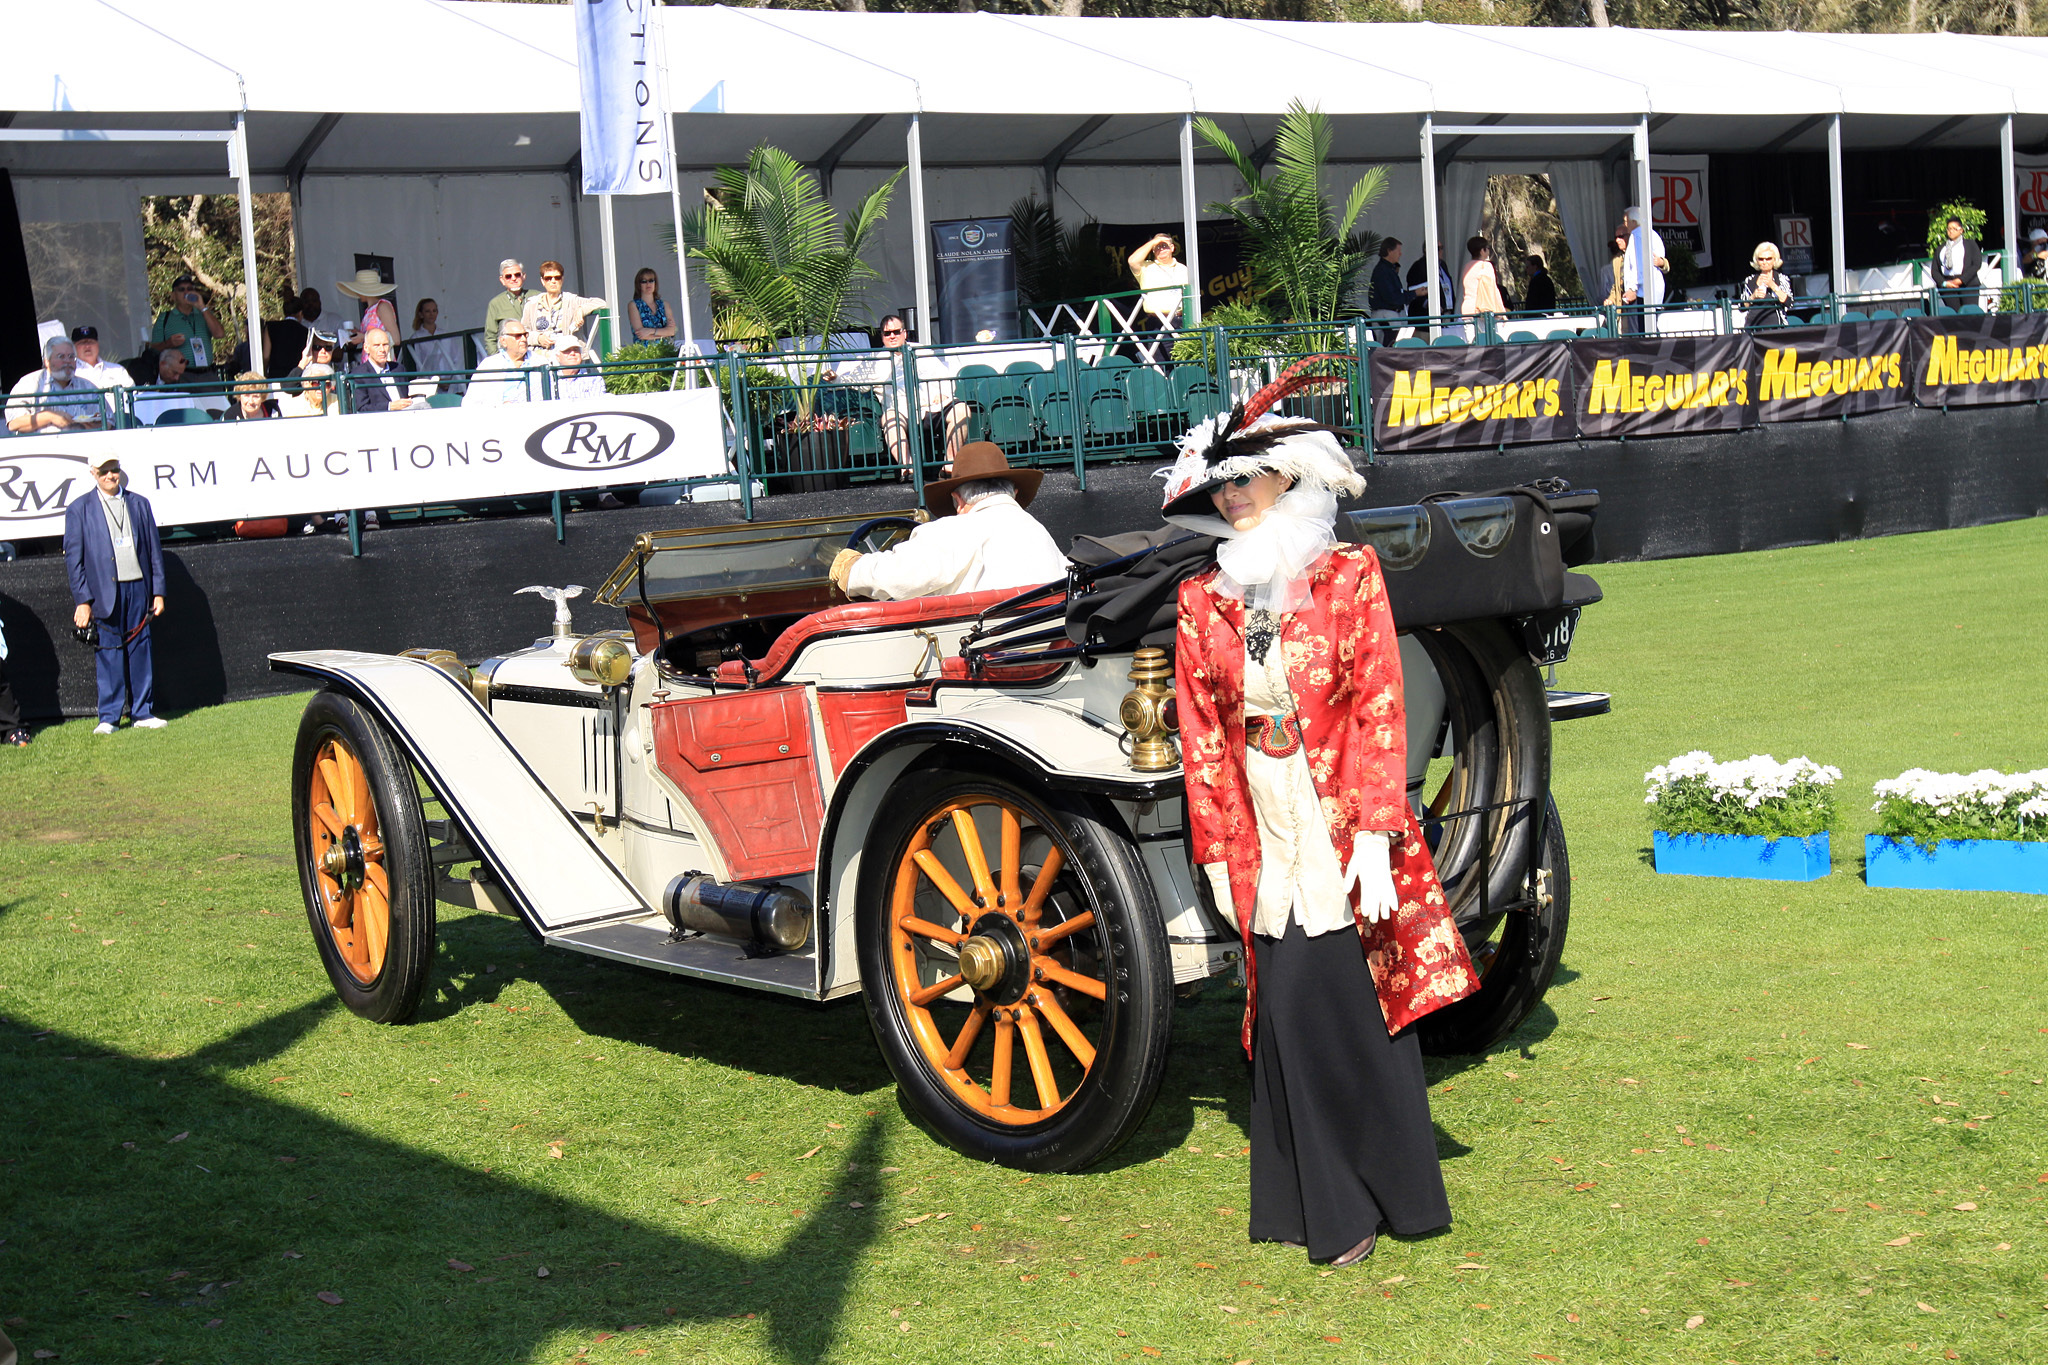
x=201 y=234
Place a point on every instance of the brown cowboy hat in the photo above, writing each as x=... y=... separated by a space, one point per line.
x=981 y=460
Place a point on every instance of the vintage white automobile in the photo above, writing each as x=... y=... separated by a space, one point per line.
x=968 y=808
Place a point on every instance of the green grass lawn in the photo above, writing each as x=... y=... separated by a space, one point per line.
x=1753 y=1122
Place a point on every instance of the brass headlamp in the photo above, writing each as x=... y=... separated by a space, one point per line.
x=604 y=660
x=1148 y=712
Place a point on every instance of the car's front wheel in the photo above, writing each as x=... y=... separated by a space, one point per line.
x=1015 y=969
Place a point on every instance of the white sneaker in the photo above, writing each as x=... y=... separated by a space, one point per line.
x=153 y=723
x=103 y=729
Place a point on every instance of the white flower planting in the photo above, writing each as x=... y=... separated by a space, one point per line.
x=1752 y=781
x=1986 y=794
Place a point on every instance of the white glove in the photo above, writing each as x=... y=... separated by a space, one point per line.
x=1372 y=873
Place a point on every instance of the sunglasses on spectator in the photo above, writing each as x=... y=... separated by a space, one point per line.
x=892 y=331
x=513 y=275
x=551 y=277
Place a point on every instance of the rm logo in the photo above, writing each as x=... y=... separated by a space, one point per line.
x=600 y=441
x=37 y=485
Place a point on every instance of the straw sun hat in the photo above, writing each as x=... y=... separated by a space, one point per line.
x=366 y=285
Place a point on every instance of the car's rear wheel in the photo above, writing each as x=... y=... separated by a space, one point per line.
x=1015 y=969
x=364 y=866
x=1493 y=832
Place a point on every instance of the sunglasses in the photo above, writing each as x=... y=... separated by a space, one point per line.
x=1244 y=480
x=551 y=277
x=892 y=331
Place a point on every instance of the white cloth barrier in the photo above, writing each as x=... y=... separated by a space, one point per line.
x=230 y=471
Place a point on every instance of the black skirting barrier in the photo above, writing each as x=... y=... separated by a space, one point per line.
x=450 y=585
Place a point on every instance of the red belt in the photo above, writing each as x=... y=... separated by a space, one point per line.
x=1273 y=736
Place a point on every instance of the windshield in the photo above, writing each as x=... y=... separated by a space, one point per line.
x=719 y=561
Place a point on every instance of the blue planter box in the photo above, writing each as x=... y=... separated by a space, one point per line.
x=1742 y=855
x=1957 y=865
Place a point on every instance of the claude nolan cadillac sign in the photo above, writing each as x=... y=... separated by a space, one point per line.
x=230 y=471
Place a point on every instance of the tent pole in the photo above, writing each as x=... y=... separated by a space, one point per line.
x=2011 y=205
x=1433 y=262
x=684 y=325
x=1193 y=257
x=1838 y=270
x=1639 y=240
x=607 y=237
x=920 y=245
x=253 y=294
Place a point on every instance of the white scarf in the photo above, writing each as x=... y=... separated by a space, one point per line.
x=1268 y=567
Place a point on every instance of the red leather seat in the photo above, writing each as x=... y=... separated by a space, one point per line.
x=862 y=616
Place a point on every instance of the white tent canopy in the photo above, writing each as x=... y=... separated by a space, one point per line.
x=476 y=158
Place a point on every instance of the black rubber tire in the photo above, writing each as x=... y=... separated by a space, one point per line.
x=1515 y=962
x=1104 y=872
x=394 y=994
x=1499 y=716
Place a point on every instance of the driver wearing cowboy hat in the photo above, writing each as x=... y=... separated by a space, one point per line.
x=979 y=537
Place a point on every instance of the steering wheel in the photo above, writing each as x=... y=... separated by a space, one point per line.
x=859 y=539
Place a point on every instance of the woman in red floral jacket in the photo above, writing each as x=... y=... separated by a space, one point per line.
x=1288 y=680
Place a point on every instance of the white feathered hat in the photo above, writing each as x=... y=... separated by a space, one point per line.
x=1251 y=439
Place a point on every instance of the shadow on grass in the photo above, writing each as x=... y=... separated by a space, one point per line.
x=147 y=1206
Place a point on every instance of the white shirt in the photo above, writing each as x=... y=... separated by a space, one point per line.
x=1654 y=249
x=1952 y=259
x=432 y=351
x=485 y=392
x=106 y=374
x=884 y=367
x=151 y=406
x=1163 y=284
x=993 y=544
x=37 y=392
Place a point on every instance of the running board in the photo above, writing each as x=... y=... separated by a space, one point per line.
x=1578 y=705
x=644 y=941
x=542 y=859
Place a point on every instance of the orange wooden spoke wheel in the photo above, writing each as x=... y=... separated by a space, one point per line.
x=1014 y=965
x=1001 y=981
x=364 y=865
x=355 y=893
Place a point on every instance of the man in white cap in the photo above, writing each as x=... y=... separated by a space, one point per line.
x=979 y=537
x=1642 y=269
x=115 y=561
x=574 y=379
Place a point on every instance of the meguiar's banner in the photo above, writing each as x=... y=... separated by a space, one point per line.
x=1661 y=386
x=1443 y=397
x=1842 y=371
x=229 y=471
x=1965 y=361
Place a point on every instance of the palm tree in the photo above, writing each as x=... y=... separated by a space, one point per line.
x=1296 y=244
x=776 y=260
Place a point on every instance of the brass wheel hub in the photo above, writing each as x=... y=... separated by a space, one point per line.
x=981 y=963
x=995 y=960
x=343 y=861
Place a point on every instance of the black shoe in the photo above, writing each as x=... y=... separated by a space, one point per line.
x=1357 y=1253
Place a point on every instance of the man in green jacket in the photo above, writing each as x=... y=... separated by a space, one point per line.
x=510 y=304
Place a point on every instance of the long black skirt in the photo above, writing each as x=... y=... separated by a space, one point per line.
x=1341 y=1138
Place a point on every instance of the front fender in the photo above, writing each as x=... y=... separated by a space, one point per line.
x=1039 y=742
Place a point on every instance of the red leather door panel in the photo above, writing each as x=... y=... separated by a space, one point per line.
x=745 y=762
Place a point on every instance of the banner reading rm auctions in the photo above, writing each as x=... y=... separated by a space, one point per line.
x=228 y=471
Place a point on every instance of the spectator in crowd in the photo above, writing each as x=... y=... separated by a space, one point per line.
x=511 y=359
x=650 y=314
x=377 y=389
x=369 y=289
x=554 y=314
x=321 y=348
x=284 y=338
x=1617 y=252
x=2034 y=264
x=1418 y=275
x=116 y=565
x=573 y=378
x=1955 y=265
x=508 y=304
x=1642 y=268
x=1387 y=297
x=250 y=401
x=1481 y=286
x=309 y=311
x=1164 y=280
x=979 y=537
x=190 y=328
x=56 y=397
x=945 y=419
x=105 y=374
x=431 y=350
x=151 y=406
x=1542 y=295
x=316 y=394
x=12 y=731
x=1767 y=289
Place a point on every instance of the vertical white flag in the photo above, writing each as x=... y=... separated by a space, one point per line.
x=625 y=119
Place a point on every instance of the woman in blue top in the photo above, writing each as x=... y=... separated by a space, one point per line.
x=650 y=315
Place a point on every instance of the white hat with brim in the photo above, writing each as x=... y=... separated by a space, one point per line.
x=366 y=285
x=100 y=462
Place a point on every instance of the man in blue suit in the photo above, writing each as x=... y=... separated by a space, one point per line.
x=116 y=563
